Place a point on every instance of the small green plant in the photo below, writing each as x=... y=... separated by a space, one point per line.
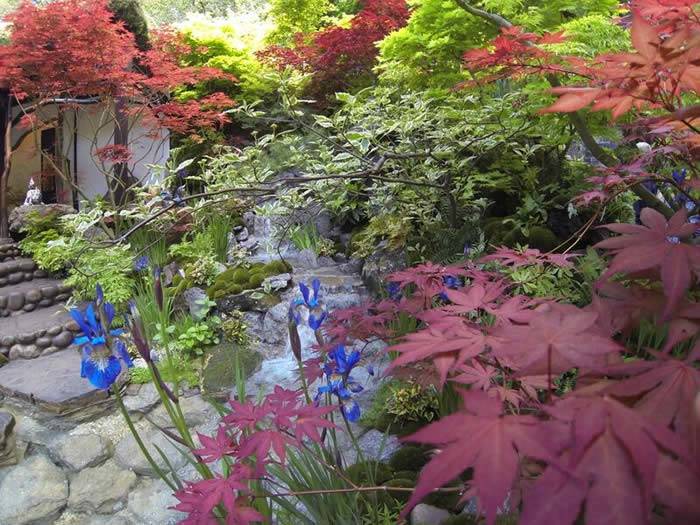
x=202 y=271
x=108 y=266
x=306 y=237
x=234 y=328
x=196 y=337
x=411 y=402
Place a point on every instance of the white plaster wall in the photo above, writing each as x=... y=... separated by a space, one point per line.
x=95 y=129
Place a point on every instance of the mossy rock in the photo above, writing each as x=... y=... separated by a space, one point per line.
x=240 y=276
x=255 y=280
x=370 y=471
x=494 y=230
x=219 y=291
x=514 y=237
x=406 y=474
x=411 y=458
x=445 y=500
x=277 y=267
x=542 y=238
x=219 y=370
x=401 y=496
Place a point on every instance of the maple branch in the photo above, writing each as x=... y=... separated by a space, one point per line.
x=495 y=19
x=378 y=488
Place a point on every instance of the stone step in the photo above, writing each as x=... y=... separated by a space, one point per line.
x=41 y=332
x=50 y=382
x=19 y=270
x=8 y=251
x=28 y=296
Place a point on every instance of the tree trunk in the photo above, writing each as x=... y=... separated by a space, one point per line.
x=5 y=153
x=121 y=181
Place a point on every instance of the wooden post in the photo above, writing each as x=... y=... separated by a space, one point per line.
x=5 y=154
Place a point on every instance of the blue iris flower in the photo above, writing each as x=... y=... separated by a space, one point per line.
x=339 y=382
x=293 y=314
x=141 y=263
x=311 y=301
x=679 y=176
x=315 y=322
x=100 y=363
x=343 y=362
x=450 y=281
x=651 y=186
x=394 y=290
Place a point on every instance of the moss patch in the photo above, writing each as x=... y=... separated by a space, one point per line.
x=240 y=278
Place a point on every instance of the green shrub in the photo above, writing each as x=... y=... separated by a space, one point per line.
x=411 y=402
x=202 y=271
x=110 y=267
x=234 y=328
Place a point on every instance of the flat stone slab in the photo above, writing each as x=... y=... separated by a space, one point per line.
x=51 y=382
x=45 y=318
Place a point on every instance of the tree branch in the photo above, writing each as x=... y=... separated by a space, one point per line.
x=495 y=19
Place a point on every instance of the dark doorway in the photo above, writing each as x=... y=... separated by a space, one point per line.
x=48 y=173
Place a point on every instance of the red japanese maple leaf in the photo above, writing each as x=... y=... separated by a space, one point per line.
x=665 y=392
x=480 y=437
x=260 y=443
x=310 y=420
x=659 y=245
x=217 y=447
x=446 y=346
x=677 y=487
x=557 y=339
x=200 y=498
x=427 y=278
x=476 y=375
x=516 y=258
x=610 y=464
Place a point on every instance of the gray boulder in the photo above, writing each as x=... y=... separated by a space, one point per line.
x=423 y=514
x=127 y=453
x=19 y=217
x=33 y=492
x=100 y=489
x=150 y=502
x=81 y=451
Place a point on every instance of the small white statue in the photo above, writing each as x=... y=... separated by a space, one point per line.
x=33 y=194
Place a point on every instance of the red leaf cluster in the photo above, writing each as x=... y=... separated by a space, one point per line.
x=72 y=49
x=247 y=436
x=619 y=446
x=338 y=55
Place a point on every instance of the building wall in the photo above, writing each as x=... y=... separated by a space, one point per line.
x=95 y=129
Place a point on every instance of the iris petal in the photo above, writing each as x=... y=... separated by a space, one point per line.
x=101 y=372
x=304 y=292
x=79 y=318
x=351 y=410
